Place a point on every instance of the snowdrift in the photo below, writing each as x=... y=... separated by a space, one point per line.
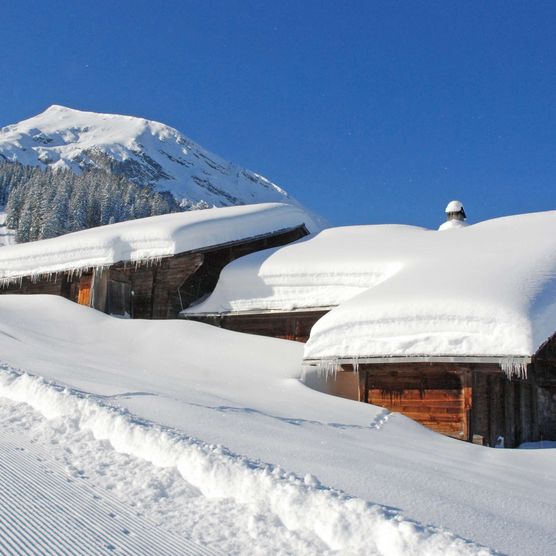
x=342 y=522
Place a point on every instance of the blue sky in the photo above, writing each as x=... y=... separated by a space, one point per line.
x=368 y=112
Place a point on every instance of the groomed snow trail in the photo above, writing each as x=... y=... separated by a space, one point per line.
x=64 y=492
x=44 y=509
x=202 y=491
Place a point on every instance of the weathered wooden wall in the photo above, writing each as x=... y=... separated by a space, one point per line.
x=473 y=402
x=53 y=285
x=295 y=325
x=437 y=396
x=544 y=371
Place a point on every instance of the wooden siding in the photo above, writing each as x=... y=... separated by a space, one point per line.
x=295 y=325
x=436 y=396
x=473 y=402
x=53 y=285
x=544 y=373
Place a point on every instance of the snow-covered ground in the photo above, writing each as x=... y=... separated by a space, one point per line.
x=228 y=449
x=62 y=497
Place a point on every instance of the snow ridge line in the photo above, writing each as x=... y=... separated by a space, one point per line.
x=342 y=522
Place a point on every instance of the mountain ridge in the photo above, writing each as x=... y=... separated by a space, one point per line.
x=146 y=152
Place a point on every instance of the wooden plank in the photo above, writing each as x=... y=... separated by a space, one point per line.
x=467 y=382
x=509 y=414
x=362 y=392
x=84 y=292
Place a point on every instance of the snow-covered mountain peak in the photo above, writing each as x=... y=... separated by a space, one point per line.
x=149 y=153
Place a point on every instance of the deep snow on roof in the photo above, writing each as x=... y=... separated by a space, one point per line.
x=484 y=290
x=321 y=271
x=148 y=238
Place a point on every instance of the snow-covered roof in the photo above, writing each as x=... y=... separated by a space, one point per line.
x=321 y=271
x=148 y=238
x=483 y=290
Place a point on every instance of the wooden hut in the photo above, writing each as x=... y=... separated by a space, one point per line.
x=468 y=398
x=444 y=327
x=149 y=268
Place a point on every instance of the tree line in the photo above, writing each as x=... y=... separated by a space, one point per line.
x=43 y=203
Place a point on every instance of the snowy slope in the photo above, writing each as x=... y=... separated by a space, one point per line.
x=148 y=238
x=147 y=152
x=128 y=380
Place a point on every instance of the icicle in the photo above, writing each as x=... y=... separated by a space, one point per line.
x=328 y=367
x=356 y=365
x=514 y=368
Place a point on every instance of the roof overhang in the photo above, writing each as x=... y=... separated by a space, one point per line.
x=251 y=312
x=469 y=359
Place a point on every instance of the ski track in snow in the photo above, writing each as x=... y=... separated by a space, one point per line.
x=43 y=510
x=197 y=491
x=98 y=501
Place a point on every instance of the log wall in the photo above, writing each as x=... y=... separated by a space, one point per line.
x=544 y=367
x=475 y=402
x=295 y=325
x=437 y=396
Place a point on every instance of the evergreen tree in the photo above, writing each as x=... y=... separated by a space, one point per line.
x=42 y=203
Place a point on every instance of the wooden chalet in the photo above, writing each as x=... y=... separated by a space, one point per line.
x=488 y=400
x=468 y=398
x=154 y=286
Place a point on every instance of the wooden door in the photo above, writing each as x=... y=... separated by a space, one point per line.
x=85 y=290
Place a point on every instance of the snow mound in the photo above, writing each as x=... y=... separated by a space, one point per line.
x=342 y=522
x=147 y=152
x=148 y=238
x=483 y=290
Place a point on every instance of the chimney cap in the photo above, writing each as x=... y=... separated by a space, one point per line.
x=454 y=206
